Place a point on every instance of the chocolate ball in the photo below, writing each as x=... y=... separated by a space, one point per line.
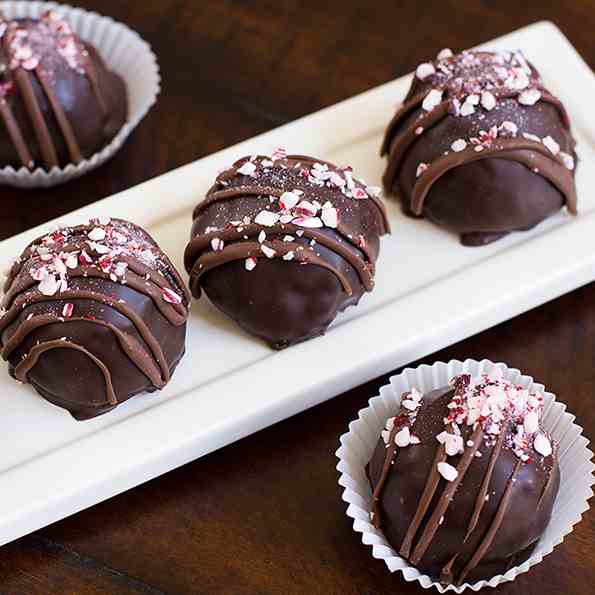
x=59 y=103
x=480 y=146
x=93 y=315
x=465 y=478
x=281 y=244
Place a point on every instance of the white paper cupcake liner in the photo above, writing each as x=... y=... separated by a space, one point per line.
x=125 y=52
x=358 y=444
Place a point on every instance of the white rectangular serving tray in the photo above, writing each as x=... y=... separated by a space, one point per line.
x=430 y=292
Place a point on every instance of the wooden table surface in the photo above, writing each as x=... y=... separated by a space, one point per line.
x=263 y=516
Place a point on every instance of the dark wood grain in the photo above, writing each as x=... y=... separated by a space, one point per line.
x=263 y=516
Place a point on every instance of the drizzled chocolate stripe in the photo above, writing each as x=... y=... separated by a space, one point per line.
x=531 y=154
x=446 y=497
x=42 y=133
x=486 y=542
x=16 y=136
x=23 y=368
x=485 y=484
x=137 y=355
x=73 y=148
x=424 y=502
x=25 y=300
x=174 y=313
x=391 y=453
x=201 y=243
x=243 y=250
x=408 y=136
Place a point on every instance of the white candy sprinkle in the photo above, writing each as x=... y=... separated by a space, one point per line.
x=567 y=159
x=542 y=445
x=488 y=101
x=250 y=263
x=289 y=255
x=104 y=220
x=551 y=144
x=71 y=261
x=530 y=136
x=424 y=70
x=518 y=81
x=467 y=109
x=311 y=222
x=262 y=236
x=453 y=444
x=458 y=145
x=217 y=244
x=531 y=422
x=403 y=437
x=431 y=100
x=509 y=127
x=330 y=217
x=421 y=168
x=473 y=99
x=529 y=97
x=288 y=238
x=447 y=471
x=268 y=252
x=444 y=54
x=419 y=130
x=247 y=169
x=96 y=234
x=288 y=200
x=266 y=218
x=48 y=286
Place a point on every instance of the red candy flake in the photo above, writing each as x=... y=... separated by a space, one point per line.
x=279 y=153
x=359 y=193
x=171 y=297
x=68 y=310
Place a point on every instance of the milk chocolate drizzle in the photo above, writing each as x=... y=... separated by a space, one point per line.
x=199 y=258
x=422 y=541
x=23 y=79
x=21 y=292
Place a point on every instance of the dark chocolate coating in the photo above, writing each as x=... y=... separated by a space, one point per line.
x=485 y=199
x=93 y=100
x=283 y=302
x=524 y=522
x=72 y=378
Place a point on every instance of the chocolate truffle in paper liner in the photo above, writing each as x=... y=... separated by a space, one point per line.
x=59 y=103
x=464 y=478
x=93 y=315
x=282 y=243
x=480 y=146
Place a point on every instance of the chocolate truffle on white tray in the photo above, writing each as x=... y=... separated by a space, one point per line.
x=480 y=146
x=282 y=243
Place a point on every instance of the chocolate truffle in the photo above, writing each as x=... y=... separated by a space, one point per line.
x=93 y=315
x=480 y=147
x=282 y=243
x=464 y=478
x=59 y=103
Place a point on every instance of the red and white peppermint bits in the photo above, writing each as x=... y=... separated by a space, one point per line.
x=171 y=297
x=247 y=169
x=67 y=310
x=250 y=263
x=217 y=244
x=279 y=153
